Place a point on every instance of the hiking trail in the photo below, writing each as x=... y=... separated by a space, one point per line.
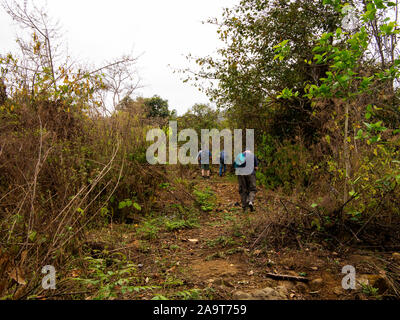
x=215 y=257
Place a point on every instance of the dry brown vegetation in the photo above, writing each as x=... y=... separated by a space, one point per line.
x=77 y=193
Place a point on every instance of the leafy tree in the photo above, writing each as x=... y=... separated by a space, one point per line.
x=350 y=78
x=200 y=116
x=157 y=107
x=129 y=105
x=248 y=78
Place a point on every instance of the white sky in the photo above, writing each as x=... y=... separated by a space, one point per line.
x=164 y=31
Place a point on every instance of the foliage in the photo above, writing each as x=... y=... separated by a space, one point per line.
x=284 y=164
x=65 y=165
x=369 y=290
x=345 y=55
x=157 y=107
x=222 y=241
x=201 y=116
x=180 y=224
x=248 y=77
x=205 y=198
x=111 y=281
x=323 y=98
x=149 y=229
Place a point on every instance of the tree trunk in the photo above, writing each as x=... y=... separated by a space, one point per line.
x=3 y=92
x=346 y=153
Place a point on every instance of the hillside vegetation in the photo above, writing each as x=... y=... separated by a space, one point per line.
x=77 y=193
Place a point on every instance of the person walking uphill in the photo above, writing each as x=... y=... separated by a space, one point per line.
x=246 y=165
x=222 y=164
x=205 y=157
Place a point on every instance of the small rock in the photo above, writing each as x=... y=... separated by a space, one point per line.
x=396 y=257
x=279 y=293
x=140 y=265
x=316 y=284
x=282 y=292
x=338 y=291
x=193 y=240
x=240 y=295
x=262 y=294
x=287 y=284
x=222 y=282
x=250 y=273
x=228 y=284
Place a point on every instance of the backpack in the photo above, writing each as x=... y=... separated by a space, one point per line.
x=240 y=160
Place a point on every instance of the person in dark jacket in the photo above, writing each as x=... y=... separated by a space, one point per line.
x=222 y=164
x=246 y=165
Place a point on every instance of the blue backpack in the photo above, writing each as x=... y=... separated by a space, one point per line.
x=240 y=160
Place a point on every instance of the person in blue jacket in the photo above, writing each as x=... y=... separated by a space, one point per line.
x=222 y=165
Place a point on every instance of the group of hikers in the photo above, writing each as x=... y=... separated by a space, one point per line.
x=245 y=165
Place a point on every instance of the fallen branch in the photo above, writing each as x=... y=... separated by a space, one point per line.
x=260 y=236
x=286 y=277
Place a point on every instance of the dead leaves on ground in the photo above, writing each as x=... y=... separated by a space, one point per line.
x=15 y=272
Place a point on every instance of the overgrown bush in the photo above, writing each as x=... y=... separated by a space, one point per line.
x=284 y=164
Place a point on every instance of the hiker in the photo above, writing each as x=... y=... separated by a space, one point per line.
x=222 y=165
x=204 y=157
x=246 y=165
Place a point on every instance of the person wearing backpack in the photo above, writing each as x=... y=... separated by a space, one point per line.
x=246 y=165
x=222 y=164
x=205 y=157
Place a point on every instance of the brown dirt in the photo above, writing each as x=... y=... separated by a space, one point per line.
x=226 y=267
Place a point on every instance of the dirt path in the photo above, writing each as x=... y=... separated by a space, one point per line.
x=214 y=257
x=219 y=257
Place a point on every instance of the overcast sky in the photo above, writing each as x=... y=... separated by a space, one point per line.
x=163 y=31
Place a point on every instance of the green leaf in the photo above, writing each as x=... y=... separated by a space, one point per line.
x=122 y=205
x=32 y=235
